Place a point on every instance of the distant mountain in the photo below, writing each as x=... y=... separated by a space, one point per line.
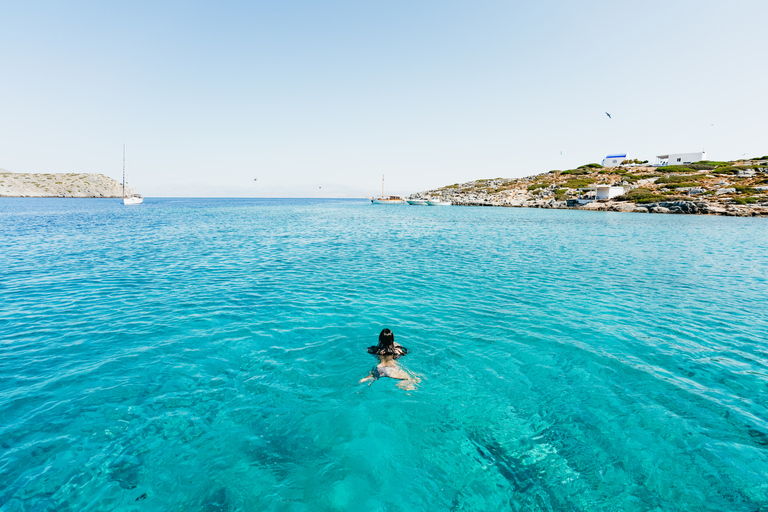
x=59 y=185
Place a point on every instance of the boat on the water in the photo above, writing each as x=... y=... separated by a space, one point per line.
x=417 y=202
x=438 y=202
x=387 y=199
x=133 y=198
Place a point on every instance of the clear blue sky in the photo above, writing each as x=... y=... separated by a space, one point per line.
x=333 y=94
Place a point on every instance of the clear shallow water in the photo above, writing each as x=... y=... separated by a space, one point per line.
x=204 y=355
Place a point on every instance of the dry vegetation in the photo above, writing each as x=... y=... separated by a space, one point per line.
x=59 y=185
x=721 y=185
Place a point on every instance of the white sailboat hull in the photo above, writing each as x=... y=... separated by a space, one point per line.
x=133 y=200
x=388 y=201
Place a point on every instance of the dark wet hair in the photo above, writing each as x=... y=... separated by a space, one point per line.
x=386 y=346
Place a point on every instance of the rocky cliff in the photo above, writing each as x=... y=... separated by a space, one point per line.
x=59 y=185
x=715 y=188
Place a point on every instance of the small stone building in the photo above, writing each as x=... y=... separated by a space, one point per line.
x=614 y=160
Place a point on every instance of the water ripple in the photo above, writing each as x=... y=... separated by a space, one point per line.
x=204 y=354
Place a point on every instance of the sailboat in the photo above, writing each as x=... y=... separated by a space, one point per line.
x=387 y=199
x=134 y=198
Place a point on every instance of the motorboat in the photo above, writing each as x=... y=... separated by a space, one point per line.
x=438 y=202
x=417 y=202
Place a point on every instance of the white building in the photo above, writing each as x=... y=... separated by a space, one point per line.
x=607 y=192
x=680 y=158
x=614 y=160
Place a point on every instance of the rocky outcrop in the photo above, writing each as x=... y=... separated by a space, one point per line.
x=60 y=185
x=738 y=188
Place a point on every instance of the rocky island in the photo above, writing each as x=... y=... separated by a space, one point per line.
x=60 y=185
x=738 y=188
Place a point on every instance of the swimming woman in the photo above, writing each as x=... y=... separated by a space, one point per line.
x=388 y=352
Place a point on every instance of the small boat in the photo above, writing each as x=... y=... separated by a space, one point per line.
x=387 y=199
x=417 y=202
x=132 y=199
x=438 y=202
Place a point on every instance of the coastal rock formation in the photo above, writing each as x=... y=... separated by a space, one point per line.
x=737 y=188
x=60 y=185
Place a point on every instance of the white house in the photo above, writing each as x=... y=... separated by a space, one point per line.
x=614 y=160
x=680 y=158
x=607 y=191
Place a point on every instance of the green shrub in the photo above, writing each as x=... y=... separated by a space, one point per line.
x=679 y=179
x=714 y=162
x=701 y=167
x=678 y=168
x=537 y=186
x=745 y=189
x=591 y=166
x=651 y=199
x=729 y=169
x=580 y=171
x=640 y=195
x=578 y=183
x=744 y=200
x=680 y=185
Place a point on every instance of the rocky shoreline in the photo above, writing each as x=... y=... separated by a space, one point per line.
x=675 y=207
x=738 y=189
x=81 y=185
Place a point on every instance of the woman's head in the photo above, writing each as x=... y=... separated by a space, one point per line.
x=386 y=346
x=386 y=338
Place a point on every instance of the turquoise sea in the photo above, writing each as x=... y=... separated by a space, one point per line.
x=204 y=355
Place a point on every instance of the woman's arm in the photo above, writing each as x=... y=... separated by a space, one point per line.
x=372 y=376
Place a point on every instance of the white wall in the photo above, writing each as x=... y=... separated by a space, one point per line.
x=607 y=192
x=681 y=158
x=613 y=162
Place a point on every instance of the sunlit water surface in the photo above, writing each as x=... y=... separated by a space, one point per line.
x=205 y=355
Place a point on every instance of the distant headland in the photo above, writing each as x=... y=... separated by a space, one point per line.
x=737 y=188
x=60 y=185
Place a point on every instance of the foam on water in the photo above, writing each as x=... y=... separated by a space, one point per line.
x=205 y=355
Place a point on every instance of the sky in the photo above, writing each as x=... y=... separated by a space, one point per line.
x=296 y=98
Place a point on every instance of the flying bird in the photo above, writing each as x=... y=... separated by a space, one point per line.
x=609 y=115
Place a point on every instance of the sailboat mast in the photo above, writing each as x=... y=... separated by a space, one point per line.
x=123 y=168
x=382 y=186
